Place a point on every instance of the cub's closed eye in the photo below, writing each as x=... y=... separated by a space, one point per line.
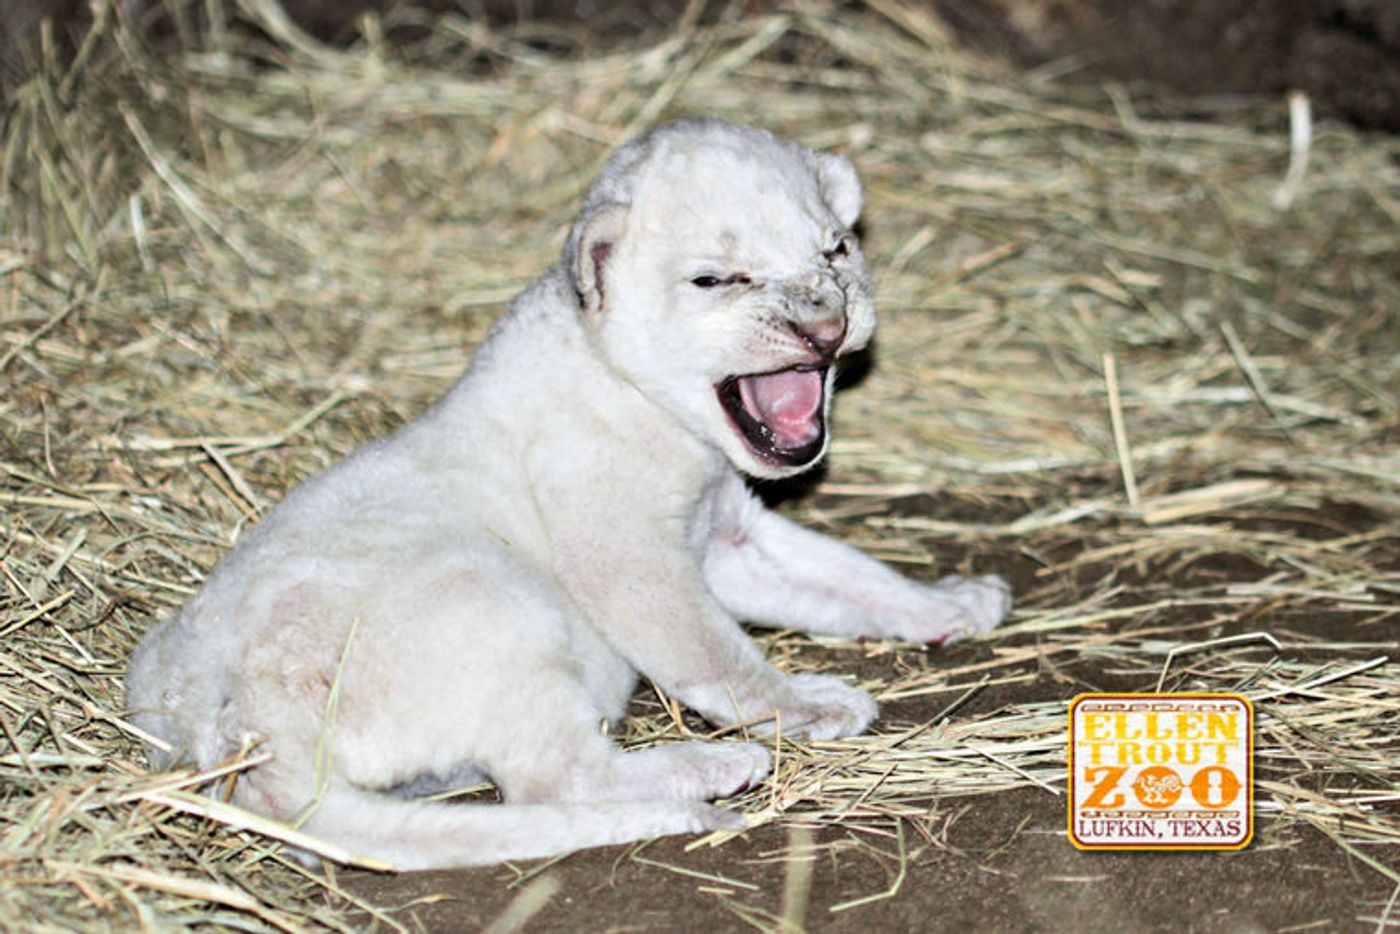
x=710 y=282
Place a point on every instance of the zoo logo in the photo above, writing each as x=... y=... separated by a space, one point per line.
x=1157 y=787
x=1161 y=771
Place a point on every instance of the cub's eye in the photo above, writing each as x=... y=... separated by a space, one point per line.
x=710 y=282
x=841 y=249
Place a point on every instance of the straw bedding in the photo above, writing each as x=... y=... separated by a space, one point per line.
x=1141 y=356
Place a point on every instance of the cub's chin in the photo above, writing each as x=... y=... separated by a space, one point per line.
x=778 y=417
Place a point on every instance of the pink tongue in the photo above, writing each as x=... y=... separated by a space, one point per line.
x=787 y=402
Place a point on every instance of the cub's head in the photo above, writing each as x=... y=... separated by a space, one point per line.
x=717 y=272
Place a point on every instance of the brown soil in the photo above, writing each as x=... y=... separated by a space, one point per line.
x=999 y=863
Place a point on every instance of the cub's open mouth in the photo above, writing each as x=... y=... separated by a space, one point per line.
x=779 y=415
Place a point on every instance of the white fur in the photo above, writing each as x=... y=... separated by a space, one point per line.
x=483 y=587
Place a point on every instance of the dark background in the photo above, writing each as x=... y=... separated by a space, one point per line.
x=1344 y=53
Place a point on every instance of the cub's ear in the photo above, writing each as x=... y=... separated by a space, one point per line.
x=590 y=246
x=840 y=187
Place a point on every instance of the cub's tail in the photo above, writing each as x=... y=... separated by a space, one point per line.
x=426 y=835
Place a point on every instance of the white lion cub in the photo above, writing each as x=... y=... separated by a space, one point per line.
x=476 y=593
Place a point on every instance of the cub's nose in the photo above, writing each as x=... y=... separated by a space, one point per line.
x=816 y=313
x=822 y=335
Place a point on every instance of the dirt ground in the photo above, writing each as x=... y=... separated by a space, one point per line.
x=993 y=862
x=997 y=863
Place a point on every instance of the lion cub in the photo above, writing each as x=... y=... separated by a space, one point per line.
x=473 y=595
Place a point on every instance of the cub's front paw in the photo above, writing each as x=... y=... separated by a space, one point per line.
x=709 y=817
x=719 y=769
x=958 y=607
x=822 y=707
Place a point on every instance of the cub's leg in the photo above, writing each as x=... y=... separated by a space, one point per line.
x=457 y=666
x=585 y=766
x=423 y=835
x=770 y=571
x=682 y=638
x=496 y=672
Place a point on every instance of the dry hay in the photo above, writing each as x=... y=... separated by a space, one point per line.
x=1134 y=352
